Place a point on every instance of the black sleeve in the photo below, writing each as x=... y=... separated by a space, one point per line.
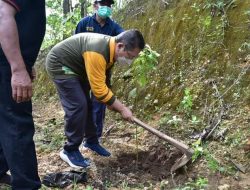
x=17 y=4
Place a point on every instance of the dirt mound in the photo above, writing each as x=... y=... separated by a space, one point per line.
x=136 y=166
x=159 y=161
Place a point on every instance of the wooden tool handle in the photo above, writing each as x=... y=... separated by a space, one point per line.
x=184 y=148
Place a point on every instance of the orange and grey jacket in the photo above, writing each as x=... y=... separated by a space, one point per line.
x=85 y=55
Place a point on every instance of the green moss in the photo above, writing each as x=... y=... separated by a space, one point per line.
x=195 y=46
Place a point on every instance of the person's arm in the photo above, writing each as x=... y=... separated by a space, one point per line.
x=95 y=65
x=78 y=28
x=9 y=40
x=81 y=26
x=122 y=109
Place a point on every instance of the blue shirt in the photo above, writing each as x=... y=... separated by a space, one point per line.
x=90 y=24
x=30 y=20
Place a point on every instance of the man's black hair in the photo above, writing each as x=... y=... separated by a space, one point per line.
x=131 y=39
x=109 y=1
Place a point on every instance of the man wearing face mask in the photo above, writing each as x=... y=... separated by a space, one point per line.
x=78 y=65
x=101 y=23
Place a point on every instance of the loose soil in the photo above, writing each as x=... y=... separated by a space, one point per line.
x=141 y=162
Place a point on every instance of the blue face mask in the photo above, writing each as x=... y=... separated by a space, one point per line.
x=104 y=11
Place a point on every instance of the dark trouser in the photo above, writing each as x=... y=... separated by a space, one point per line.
x=17 y=149
x=77 y=105
x=98 y=115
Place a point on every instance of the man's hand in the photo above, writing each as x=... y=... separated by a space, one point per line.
x=9 y=40
x=123 y=110
x=127 y=114
x=21 y=86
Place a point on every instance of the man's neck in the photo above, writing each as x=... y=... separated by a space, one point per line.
x=100 y=20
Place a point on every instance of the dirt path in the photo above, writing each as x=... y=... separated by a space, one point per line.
x=139 y=161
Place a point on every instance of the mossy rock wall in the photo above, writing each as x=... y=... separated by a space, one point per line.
x=203 y=45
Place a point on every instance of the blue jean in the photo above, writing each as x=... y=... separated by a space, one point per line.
x=17 y=148
x=98 y=112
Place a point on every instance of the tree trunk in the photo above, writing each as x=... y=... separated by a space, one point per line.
x=67 y=8
x=84 y=6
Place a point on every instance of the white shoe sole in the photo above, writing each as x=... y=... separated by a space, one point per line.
x=65 y=158
x=84 y=148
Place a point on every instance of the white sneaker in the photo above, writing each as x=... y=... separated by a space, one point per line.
x=74 y=159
